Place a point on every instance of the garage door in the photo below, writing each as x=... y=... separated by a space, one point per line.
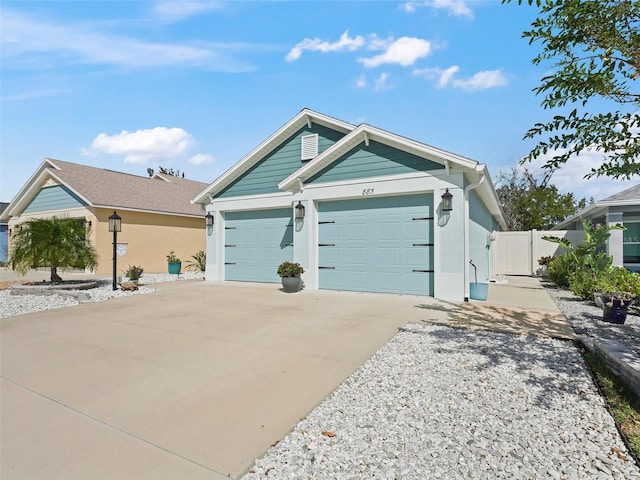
x=382 y=244
x=256 y=242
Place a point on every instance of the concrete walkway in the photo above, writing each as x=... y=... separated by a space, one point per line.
x=197 y=380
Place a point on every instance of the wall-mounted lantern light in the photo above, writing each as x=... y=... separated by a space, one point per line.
x=299 y=211
x=115 y=226
x=447 y=204
x=209 y=219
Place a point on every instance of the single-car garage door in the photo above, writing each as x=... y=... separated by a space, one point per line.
x=256 y=242
x=382 y=244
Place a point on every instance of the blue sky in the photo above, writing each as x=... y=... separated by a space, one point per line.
x=196 y=85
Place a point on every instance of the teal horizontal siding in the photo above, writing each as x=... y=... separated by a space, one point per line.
x=265 y=175
x=57 y=197
x=373 y=161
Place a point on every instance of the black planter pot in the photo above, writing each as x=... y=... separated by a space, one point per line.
x=615 y=314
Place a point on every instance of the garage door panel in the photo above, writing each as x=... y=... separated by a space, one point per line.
x=419 y=257
x=357 y=231
x=374 y=247
x=356 y=281
x=356 y=256
x=417 y=231
x=389 y=231
x=389 y=256
x=256 y=242
x=389 y=282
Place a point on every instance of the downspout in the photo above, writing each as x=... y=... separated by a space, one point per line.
x=467 y=189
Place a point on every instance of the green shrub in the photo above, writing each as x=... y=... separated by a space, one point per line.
x=561 y=270
x=290 y=269
x=619 y=279
x=584 y=283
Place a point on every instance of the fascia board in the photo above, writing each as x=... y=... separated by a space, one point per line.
x=491 y=196
x=585 y=212
x=267 y=147
x=142 y=210
x=357 y=136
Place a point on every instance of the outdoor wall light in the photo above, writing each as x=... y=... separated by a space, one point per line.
x=209 y=219
x=299 y=211
x=115 y=226
x=447 y=204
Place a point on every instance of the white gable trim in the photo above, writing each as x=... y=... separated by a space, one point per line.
x=366 y=133
x=44 y=173
x=305 y=117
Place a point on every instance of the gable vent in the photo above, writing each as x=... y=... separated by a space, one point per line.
x=309 y=146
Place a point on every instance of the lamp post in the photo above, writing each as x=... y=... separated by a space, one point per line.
x=115 y=226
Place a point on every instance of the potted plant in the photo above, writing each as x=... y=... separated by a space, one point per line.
x=134 y=273
x=290 y=273
x=544 y=263
x=614 y=305
x=175 y=264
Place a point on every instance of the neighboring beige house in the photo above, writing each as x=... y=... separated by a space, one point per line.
x=156 y=212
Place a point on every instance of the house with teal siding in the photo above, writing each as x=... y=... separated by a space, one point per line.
x=373 y=212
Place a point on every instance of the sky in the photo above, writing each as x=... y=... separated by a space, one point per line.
x=195 y=85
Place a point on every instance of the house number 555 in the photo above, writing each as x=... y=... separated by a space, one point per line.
x=368 y=191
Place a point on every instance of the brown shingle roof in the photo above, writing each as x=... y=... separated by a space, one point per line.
x=108 y=188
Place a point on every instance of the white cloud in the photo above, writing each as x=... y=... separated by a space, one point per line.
x=200 y=159
x=317 y=45
x=570 y=176
x=171 y=11
x=44 y=43
x=481 y=80
x=404 y=51
x=361 y=82
x=443 y=77
x=381 y=82
x=457 y=8
x=144 y=146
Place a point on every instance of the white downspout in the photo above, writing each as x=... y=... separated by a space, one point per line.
x=467 y=189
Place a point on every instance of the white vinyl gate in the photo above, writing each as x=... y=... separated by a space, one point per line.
x=517 y=253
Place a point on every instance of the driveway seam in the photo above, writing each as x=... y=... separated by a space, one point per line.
x=106 y=424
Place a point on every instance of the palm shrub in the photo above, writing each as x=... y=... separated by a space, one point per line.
x=199 y=261
x=561 y=270
x=56 y=242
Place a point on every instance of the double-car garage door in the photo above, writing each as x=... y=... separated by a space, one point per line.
x=380 y=244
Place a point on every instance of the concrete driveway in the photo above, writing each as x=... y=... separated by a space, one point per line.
x=197 y=380
x=193 y=381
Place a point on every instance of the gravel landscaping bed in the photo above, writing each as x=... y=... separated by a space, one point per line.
x=11 y=305
x=586 y=319
x=437 y=402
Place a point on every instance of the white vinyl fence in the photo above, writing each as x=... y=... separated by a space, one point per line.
x=517 y=253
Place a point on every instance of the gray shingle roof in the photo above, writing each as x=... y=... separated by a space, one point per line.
x=108 y=188
x=632 y=193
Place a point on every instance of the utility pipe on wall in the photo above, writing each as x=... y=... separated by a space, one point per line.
x=467 y=189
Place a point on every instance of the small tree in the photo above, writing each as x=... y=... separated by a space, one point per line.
x=593 y=47
x=57 y=243
x=529 y=203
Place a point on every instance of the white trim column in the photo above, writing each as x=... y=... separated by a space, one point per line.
x=615 y=243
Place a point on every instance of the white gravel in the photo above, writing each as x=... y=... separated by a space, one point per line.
x=437 y=402
x=11 y=305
